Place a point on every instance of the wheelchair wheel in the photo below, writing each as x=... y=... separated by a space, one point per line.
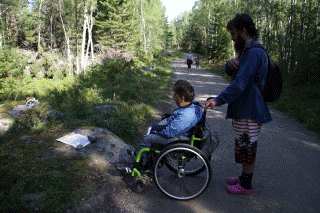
x=173 y=166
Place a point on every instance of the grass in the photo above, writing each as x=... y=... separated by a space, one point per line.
x=33 y=178
x=300 y=102
x=31 y=181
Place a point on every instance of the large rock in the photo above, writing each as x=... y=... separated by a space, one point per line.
x=105 y=144
x=16 y=111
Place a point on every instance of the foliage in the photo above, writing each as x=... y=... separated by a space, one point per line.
x=62 y=25
x=27 y=170
x=150 y=28
x=113 y=26
x=203 y=31
x=103 y=84
x=11 y=63
x=308 y=110
x=49 y=66
x=289 y=30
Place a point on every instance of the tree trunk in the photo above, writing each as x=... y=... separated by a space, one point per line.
x=143 y=30
x=288 y=38
x=268 y=25
x=316 y=24
x=208 y=31
x=90 y=33
x=39 y=33
x=51 y=23
x=67 y=42
x=90 y=42
x=83 y=62
x=1 y=32
x=77 y=40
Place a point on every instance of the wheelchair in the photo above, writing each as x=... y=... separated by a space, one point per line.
x=181 y=169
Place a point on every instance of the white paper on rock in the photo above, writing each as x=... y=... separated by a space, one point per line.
x=75 y=140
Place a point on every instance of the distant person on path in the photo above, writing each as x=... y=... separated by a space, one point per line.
x=245 y=102
x=197 y=61
x=189 y=60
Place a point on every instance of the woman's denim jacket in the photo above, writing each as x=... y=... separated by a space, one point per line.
x=243 y=97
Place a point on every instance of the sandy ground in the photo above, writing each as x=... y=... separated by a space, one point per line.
x=286 y=177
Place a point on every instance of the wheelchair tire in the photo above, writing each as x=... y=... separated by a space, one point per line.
x=175 y=179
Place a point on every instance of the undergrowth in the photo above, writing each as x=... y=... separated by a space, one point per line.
x=35 y=180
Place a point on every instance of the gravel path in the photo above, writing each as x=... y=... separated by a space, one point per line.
x=286 y=178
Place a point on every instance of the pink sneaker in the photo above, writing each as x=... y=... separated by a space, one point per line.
x=233 y=181
x=238 y=190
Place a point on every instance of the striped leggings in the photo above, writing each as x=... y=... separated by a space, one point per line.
x=246 y=139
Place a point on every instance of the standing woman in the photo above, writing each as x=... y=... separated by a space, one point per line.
x=245 y=102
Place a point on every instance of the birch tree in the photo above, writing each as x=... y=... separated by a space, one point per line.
x=39 y=25
x=67 y=40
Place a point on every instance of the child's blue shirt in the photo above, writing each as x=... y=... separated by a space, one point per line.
x=180 y=122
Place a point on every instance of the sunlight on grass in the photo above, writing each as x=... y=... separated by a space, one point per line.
x=40 y=174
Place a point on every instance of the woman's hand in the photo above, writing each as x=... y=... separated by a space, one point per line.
x=233 y=64
x=210 y=103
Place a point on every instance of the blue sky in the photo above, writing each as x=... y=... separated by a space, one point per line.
x=175 y=7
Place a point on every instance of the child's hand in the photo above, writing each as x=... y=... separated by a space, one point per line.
x=233 y=64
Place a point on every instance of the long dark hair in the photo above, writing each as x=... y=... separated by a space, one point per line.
x=241 y=21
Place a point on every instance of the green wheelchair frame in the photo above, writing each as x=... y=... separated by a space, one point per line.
x=136 y=172
x=189 y=153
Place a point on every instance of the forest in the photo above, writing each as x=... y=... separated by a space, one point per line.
x=81 y=30
x=58 y=39
x=289 y=29
x=75 y=55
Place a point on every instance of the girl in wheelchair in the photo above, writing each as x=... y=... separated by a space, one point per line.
x=178 y=125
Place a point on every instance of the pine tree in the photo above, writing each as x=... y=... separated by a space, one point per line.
x=113 y=23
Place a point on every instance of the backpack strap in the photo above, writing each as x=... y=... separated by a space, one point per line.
x=260 y=46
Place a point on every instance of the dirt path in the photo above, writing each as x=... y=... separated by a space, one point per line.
x=287 y=173
x=286 y=177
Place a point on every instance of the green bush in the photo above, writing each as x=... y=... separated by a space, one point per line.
x=11 y=64
x=38 y=70
x=33 y=183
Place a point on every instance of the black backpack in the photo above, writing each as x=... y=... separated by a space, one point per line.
x=273 y=86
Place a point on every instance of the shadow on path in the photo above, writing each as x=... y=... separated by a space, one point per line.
x=287 y=172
